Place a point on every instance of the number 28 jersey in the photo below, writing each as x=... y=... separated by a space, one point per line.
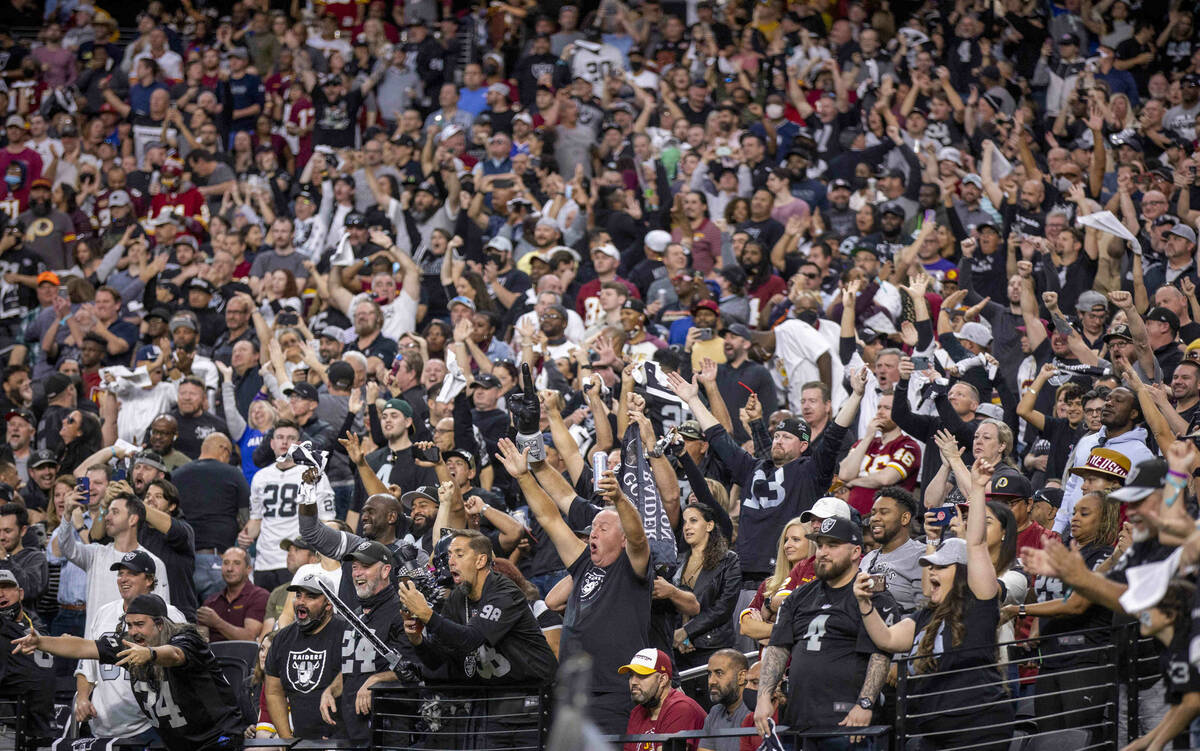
x=274 y=495
x=822 y=628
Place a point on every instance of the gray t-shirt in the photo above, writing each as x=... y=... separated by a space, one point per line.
x=719 y=718
x=572 y=149
x=902 y=567
x=363 y=197
x=270 y=261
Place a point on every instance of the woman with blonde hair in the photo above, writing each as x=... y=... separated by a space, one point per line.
x=793 y=549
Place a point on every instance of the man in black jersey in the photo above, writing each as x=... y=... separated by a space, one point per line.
x=485 y=633
x=303 y=660
x=821 y=628
x=25 y=676
x=608 y=610
x=362 y=666
x=176 y=679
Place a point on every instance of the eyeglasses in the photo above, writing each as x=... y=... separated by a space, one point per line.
x=551 y=315
x=1092 y=410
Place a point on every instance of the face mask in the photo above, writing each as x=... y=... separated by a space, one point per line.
x=12 y=181
x=774 y=111
x=749 y=698
x=11 y=613
x=637 y=66
x=313 y=622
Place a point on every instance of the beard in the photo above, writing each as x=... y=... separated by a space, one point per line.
x=831 y=570
x=39 y=208
x=311 y=620
x=420 y=215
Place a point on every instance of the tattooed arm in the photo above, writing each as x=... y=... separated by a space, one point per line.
x=774 y=660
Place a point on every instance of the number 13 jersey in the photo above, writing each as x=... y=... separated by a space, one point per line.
x=274 y=495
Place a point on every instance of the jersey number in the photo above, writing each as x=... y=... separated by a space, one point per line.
x=284 y=495
x=598 y=70
x=357 y=650
x=159 y=704
x=816 y=629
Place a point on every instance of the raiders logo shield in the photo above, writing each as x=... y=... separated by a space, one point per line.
x=129 y=557
x=305 y=669
x=591 y=583
x=827 y=524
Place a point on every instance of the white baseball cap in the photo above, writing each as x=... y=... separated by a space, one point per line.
x=827 y=508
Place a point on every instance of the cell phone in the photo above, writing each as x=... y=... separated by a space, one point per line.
x=942 y=515
x=85 y=488
x=396 y=366
x=920 y=363
x=64 y=293
x=432 y=454
x=876 y=582
x=288 y=318
x=705 y=334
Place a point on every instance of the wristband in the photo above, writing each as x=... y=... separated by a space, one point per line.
x=872 y=610
x=536 y=444
x=1021 y=610
x=1180 y=475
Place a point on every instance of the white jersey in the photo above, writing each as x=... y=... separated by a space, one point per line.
x=595 y=63
x=274 y=495
x=139 y=406
x=97 y=561
x=798 y=346
x=118 y=715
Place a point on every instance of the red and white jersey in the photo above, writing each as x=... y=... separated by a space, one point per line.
x=189 y=204
x=902 y=454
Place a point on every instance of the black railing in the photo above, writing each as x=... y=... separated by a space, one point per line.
x=460 y=717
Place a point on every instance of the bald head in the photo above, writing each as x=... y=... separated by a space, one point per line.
x=216 y=446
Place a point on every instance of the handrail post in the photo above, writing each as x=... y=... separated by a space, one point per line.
x=901 y=702
x=1132 y=700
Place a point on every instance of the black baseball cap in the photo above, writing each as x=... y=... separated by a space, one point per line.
x=56 y=384
x=304 y=390
x=354 y=219
x=151 y=605
x=299 y=542
x=42 y=457
x=463 y=454
x=24 y=414
x=370 y=552
x=1162 y=315
x=428 y=492
x=137 y=561
x=1120 y=331
x=341 y=374
x=837 y=528
x=1011 y=485
x=1053 y=496
x=487 y=381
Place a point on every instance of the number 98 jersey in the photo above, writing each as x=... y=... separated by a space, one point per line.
x=822 y=628
x=274 y=498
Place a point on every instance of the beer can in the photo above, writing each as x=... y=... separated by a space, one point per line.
x=599 y=467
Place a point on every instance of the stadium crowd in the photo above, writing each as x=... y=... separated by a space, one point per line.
x=426 y=341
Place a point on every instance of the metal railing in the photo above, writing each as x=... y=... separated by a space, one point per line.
x=679 y=741
x=459 y=716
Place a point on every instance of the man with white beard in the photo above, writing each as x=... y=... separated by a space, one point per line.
x=362 y=666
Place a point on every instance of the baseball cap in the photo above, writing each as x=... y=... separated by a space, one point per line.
x=334 y=333
x=1011 y=485
x=1089 y=300
x=705 y=305
x=24 y=414
x=739 y=329
x=8 y=578
x=840 y=183
x=657 y=240
x=690 y=429
x=298 y=542
x=608 y=249
x=949 y=154
x=160 y=312
x=56 y=384
x=1184 y=231
x=1053 y=496
x=948 y=553
x=891 y=207
x=48 y=277
x=827 y=508
x=138 y=561
x=1104 y=461
x=428 y=492
x=487 y=381
x=632 y=303
x=462 y=300
x=370 y=552
x=500 y=243
x=304 y=390
x=151 y=459
x=118 y=198
x=239 y=52
x=1120 y=331
x=1147 y=476
x=15 y=121
x=400 y=405
x=310 y=581
x=340 y=374
x=647 y=662
x=1068 y=38
x=151 y=605
x=201 y=284
x=837 y=528
x=463 y=454
x=184 y=320
x=1162 y=315
x=975 y=332
x=42 y=457
x=354 y=219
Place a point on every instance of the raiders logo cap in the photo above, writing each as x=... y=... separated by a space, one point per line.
x=838 y=529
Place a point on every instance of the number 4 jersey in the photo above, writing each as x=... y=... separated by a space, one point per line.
x=192 y=705
x=274 y=495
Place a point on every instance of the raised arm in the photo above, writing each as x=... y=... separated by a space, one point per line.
x=569 y=546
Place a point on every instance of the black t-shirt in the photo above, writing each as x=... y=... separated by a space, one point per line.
x=1060 y=631
x=382 y=347
x=1146 y=551
x=607 y=617
x=177 y=550
x=969 y=667
x=1062 y=438
x=210 y=495
x=334 y=123
x=193 y=429
x=544 y=558
x=23 y=676
x=305 y=664
x=195 y=705
x=767 y=232
x=822 y=628
x=1179 y=673
x=360 y=660
x=397 y=468
x=494 y=639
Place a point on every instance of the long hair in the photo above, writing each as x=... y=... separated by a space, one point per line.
x=1110 y=519
x=1004 y=435
x=1008 y=545
x=168 y=629
x=782 y=567
x=716 y=546
x=948 y=612
x=87 y=443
